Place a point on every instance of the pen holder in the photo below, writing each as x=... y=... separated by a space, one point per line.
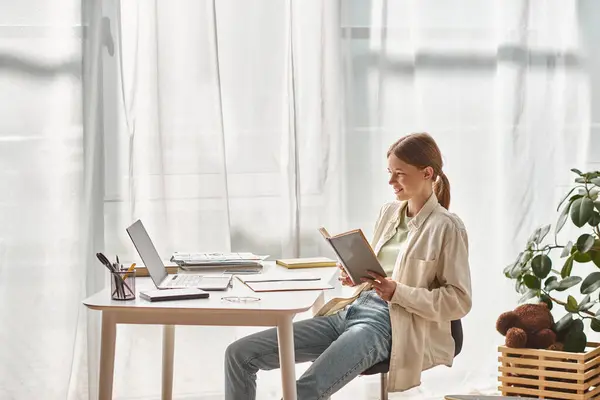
x=122 y=285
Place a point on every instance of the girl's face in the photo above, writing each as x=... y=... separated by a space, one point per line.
x=407 y=180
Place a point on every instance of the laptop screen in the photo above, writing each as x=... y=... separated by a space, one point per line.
x=147 y=252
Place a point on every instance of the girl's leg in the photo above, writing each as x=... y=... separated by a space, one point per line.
x=246 y=356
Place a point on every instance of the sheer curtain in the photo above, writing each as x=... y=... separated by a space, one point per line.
x=218 y=124
x=501 y=87
x=245 y=125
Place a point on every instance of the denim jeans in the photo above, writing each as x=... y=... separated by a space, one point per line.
x=341 y=347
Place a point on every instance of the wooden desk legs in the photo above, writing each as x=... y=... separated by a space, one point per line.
x=285 y=337
x=167 y=361
x=107 y=356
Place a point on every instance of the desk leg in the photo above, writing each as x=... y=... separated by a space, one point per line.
x=107 y=356
x=285 y=337
x=167 y=361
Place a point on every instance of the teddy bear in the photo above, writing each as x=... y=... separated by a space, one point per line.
x=528 y=326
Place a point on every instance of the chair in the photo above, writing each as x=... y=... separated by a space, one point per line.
x=383 y=367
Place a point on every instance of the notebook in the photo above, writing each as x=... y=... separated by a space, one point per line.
x=314 y=262
x=354 y=253
x=173 y=294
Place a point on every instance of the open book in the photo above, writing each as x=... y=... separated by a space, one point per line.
x=354 y=253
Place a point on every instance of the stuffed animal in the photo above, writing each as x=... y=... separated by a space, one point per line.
x=528 y=326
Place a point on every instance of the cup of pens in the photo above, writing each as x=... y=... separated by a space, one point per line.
x=122 y=281
x=122 y=285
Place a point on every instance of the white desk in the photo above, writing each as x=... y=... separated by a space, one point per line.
x=274 y=309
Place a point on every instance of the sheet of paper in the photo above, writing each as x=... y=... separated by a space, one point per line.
x=278 y=277
x=288 y=286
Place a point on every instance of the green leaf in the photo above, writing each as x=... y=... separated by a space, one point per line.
x=532 y=282
x=533 y=238
x=562 y=218
x=576 y=326
x=597 y=205
x=585 y=242
x=595 y=257
x=541 y=265
x=509 y=268
x=565 y=198
x=582 y=257
x=542 y=233
x=580 y=180
x=572 y=305
x=595 y=325
x=593 y=174
x=578 y=172
x=525 y=257
x=591 y=283
x=586 y=306
x=568 y=283
x=564 y=323
x=551 y=284
x=531 y=293
x=581 y=211
x=594 y=219
x=566 y=269
x=595 y=181
x=585 y=300
x=575 y=342
x=567 y=249
x=546 y=299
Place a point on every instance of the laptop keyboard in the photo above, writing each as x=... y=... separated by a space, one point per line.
x=186 y=280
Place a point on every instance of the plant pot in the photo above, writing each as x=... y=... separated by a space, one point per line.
x=548 y=374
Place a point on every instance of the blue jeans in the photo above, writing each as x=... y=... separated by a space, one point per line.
x=341 y=346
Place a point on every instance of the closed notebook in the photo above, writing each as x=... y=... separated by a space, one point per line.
x=312 y=262
x=174 y=294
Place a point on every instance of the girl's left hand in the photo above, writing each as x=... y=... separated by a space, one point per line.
x=385 y=287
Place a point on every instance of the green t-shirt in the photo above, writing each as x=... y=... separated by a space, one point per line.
x=388 y=254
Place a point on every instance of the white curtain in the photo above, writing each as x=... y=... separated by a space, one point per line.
x=218 y=124
x=245 y=125
x=502 y=88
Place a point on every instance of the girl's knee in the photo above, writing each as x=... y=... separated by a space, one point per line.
x=236 y=352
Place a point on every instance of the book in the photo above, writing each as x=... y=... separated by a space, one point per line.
x=354 y=253
x=174 y=294
x=313 y=262
x=141 y=270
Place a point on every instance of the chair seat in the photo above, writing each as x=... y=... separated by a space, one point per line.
x=379 y=368
x=457 y=334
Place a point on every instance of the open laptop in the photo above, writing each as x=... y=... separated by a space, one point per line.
x=158 y=272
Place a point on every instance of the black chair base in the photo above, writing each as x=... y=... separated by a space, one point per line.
x=384 y=367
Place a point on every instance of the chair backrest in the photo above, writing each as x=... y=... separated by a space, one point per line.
x=457 y=335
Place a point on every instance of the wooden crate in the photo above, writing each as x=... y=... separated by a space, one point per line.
x=549 y=374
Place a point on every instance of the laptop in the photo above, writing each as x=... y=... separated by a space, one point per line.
x=158 y=272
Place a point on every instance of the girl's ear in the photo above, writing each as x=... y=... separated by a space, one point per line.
x=428 y=173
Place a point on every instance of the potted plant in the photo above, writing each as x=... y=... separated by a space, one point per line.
x=535 y=276
x=573 y=373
